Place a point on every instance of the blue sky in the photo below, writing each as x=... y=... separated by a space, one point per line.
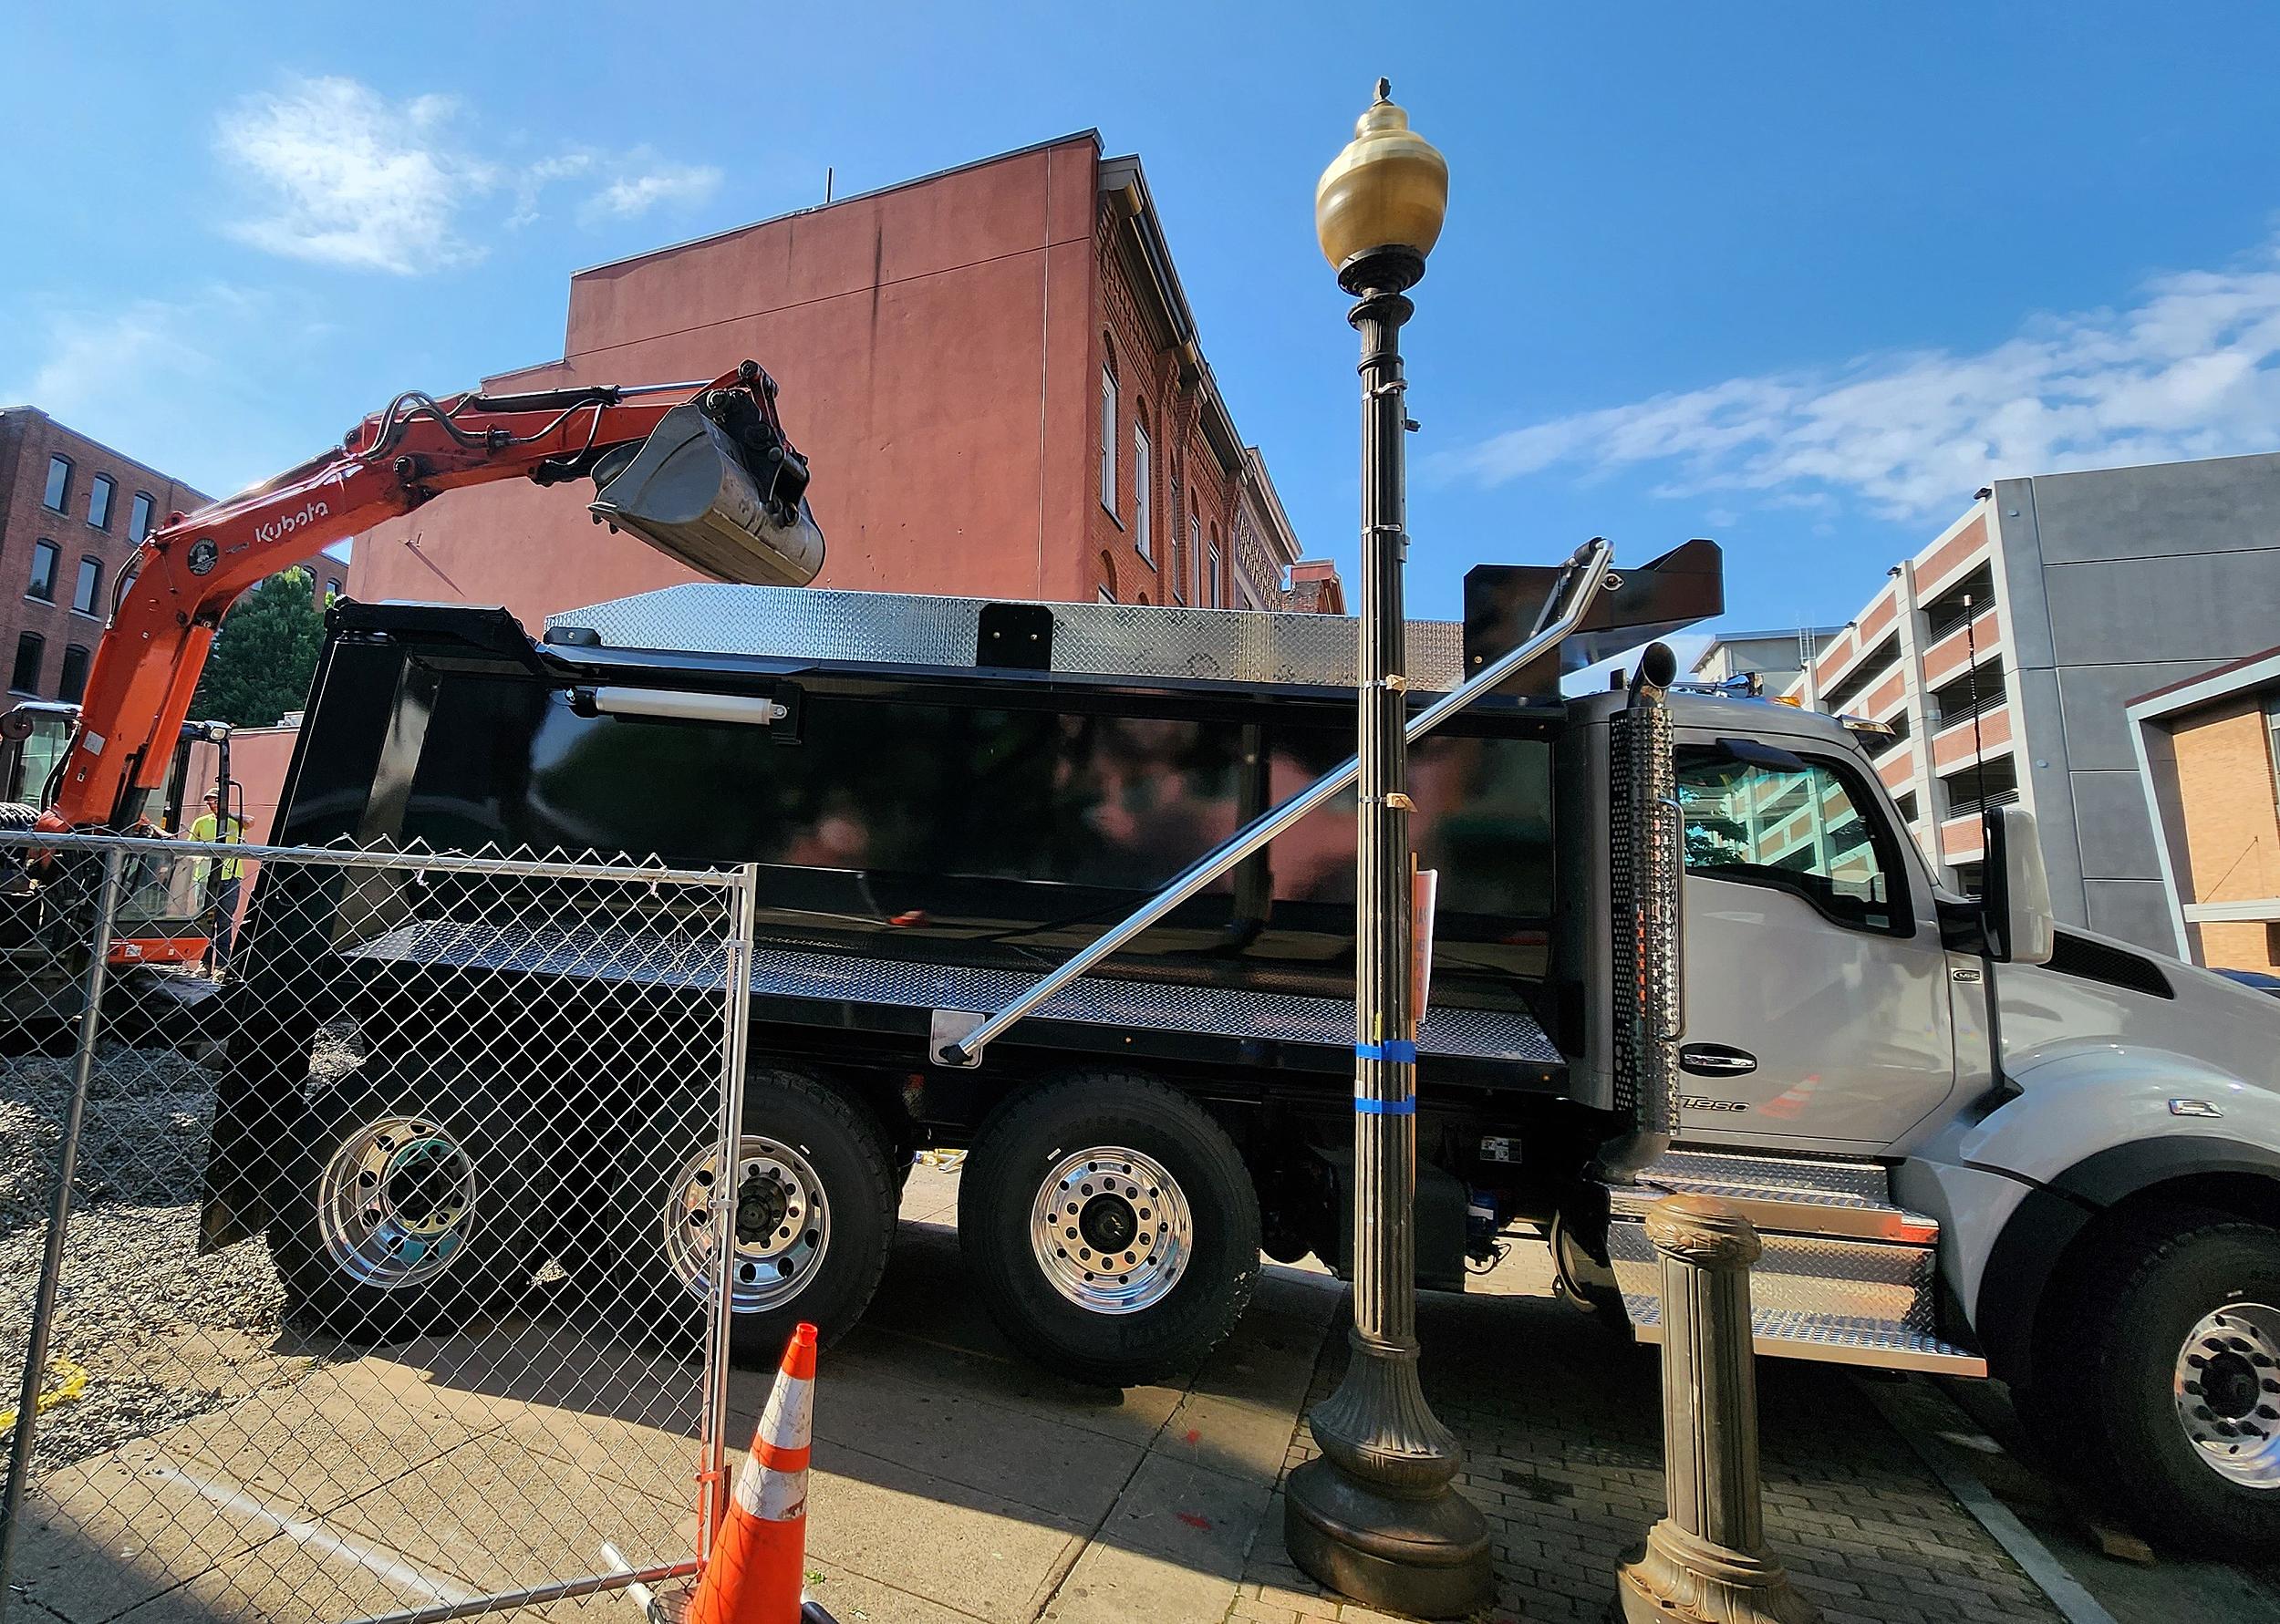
x=1798 y=277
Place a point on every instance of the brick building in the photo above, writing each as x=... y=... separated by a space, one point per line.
x=2209 y=762
x=72 y=513
x=992 y=371
x=2005 y=655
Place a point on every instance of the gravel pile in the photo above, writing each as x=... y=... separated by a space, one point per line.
x=164 y=1333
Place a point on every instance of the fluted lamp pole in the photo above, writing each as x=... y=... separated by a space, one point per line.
x=1377 y=1517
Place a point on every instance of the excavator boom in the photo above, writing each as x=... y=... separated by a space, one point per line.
x=702 y=473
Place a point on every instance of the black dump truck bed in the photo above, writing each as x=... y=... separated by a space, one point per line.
x=946 y=798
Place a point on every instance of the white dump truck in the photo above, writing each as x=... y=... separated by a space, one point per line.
x=1973 y=1142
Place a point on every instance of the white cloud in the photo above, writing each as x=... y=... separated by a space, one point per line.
x=346 y=177
x=634 y=195
x=2190 y=369
x=353 y=180
x=535 y=179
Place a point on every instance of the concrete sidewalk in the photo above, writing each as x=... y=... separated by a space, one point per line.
x=957 y=1481
x=1560 y=1421
x=953 y=1480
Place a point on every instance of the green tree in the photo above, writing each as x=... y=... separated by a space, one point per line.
x=265 y=655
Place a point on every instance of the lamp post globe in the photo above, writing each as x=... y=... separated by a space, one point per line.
x=1382 y=200
x=1377 y=1517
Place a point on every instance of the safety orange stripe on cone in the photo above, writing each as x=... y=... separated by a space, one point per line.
x=754 y=1574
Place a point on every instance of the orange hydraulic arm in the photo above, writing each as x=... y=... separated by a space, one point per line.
x=193 y=567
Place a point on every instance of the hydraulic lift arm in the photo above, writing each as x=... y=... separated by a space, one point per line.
x=704 y=474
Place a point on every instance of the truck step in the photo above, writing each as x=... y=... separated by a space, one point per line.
x=1847 y=1275
x=1785 y=1194
x=1816 y=1297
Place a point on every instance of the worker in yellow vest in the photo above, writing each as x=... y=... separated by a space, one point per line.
x=219 y=827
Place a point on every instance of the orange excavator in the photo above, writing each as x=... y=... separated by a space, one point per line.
x=706 y=476
x=702 y=472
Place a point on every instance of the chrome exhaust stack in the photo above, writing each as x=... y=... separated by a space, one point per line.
x=1649 y=878
x=716 y=487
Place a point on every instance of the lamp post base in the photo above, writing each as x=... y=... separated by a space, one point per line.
x=1425 y=1558
x=1682 y=1578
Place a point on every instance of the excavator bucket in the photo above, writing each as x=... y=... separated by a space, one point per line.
x=692 y=493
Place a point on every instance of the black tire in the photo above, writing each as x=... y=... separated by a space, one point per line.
x=17 y=817
x=1018 y=1153
x=2165 y=1275
x=448 y=1158
x=834 y=1141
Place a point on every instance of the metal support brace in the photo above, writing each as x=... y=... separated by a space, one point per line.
x=958 y=1037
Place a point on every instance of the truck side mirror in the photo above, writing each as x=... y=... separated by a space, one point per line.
x=2020 y=927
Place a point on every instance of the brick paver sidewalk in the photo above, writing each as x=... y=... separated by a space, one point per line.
x=1562 y=1425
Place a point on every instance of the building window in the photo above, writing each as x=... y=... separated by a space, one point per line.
x=90 y=583
x=1194 y=544
x=1108 y=578
x=58 y=495
x=332 y=591
x=1107 y=596
x=138 y=516
x=1108 y=438
x=99 y=500
x=46 y=556
x=1905 y=805
x=30 y=647
x=1970 y=596
x=74 y=681
x=1141 y=538
x=1978 y=691
x=1211 y=594
x=1974 y=788
x=1870 y=670
x=2272 y=737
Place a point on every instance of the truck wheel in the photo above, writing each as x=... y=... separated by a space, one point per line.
x=815 y=1219
x=2181 y=1400
x=1111 y=1227
x=406 y=1207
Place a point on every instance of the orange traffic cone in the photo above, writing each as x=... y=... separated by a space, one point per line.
x=759 y=1555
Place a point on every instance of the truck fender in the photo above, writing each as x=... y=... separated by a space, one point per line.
x=2077 y=1102
x=2052 y=1216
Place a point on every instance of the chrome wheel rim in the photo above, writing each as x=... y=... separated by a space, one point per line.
x=2228 y=1394
x=1112 y=1230
x=396 y=1203
x=782 y=1224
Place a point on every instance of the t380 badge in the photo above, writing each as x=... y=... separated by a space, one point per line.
x=203 y=555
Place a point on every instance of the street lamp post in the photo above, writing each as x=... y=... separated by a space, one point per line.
x=1377 y=1517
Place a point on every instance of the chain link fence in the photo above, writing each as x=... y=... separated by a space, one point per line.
x=380 y=1273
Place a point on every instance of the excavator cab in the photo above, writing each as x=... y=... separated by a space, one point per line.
x=162 y=913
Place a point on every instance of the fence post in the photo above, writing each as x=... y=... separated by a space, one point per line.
x=1706 y=1560
x=58 y=1216
x=736 y=1001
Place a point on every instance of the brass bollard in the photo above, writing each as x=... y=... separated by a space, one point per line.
x=1706 y=1561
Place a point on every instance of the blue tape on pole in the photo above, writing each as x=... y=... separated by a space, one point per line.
x=1398 y=1049
x=1384 y=1107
